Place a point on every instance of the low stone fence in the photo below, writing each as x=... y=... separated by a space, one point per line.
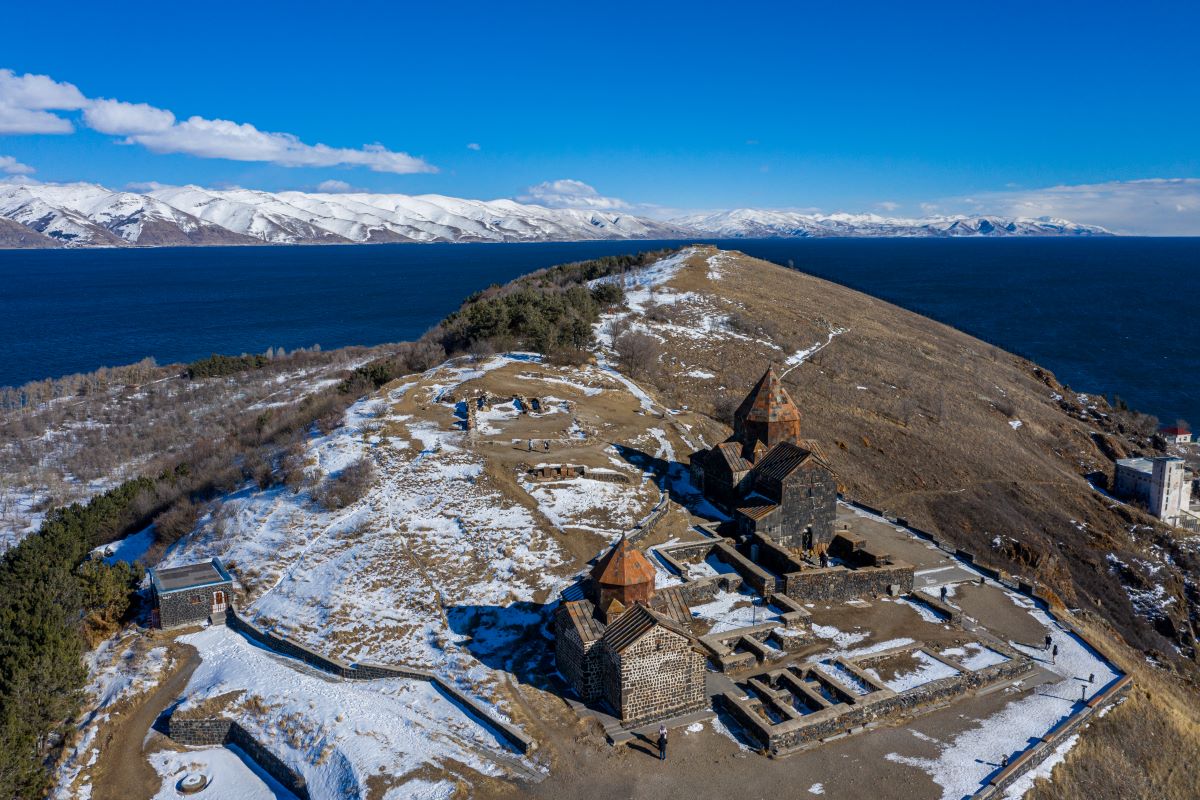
x=218 y=731
x=652 y=519
x=473 y=707
x=1040 y=750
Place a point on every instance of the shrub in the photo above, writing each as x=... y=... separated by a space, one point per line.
x=639 y=353
x=348 y=486
x=216 y=365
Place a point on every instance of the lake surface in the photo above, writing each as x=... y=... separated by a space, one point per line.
x=1112 y=316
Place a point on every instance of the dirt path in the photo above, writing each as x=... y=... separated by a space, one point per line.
x=122 y=772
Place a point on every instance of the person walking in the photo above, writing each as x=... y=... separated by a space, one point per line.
x=1054 y=655
x=662 y=742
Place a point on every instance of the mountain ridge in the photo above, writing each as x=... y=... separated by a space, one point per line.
x=90 y=215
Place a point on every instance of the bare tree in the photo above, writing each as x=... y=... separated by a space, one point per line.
x=639 y=353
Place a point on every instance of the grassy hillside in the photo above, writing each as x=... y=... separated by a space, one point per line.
x=982 y=447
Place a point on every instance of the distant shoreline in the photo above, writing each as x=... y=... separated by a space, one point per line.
x=1049 y=299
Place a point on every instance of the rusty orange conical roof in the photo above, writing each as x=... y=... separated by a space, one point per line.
x=623 y=565
x=768 y=401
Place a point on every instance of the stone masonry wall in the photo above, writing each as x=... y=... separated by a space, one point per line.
x=835 y=584
x=218 y=731
x=657 y=677
x=808 y=499
x=191 y=605
x=575 y=660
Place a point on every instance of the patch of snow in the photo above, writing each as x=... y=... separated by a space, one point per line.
x=335 y=733
x=929 y=669
x=232 y=775
x=840 y=638
x=1018 y=788
x=132 y=548
x=731 y=610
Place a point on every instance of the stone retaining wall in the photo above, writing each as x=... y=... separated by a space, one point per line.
x=834 y=584
x=1042 y=749
x=218 y=732
x=281 y=644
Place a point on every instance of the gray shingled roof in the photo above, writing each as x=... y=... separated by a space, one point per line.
x=782 y=460
x=635 y=623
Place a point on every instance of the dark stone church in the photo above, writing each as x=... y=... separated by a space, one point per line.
x=773 y=482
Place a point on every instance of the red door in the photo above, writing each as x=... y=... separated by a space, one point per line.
x=218 y=601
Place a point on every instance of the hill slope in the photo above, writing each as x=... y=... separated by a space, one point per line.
x=961 y=438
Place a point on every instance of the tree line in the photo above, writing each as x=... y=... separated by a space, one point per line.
x=550 y=311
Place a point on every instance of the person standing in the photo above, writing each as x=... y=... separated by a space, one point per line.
x=662 y=742
x=1054 y=655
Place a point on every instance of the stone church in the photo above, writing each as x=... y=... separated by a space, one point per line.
x=772 y=481
x=628 y=645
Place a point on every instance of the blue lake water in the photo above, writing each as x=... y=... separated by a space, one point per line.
x=1113 y=316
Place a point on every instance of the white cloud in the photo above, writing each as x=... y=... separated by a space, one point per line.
x=10 y=166
x=39 y=92
x=1152 y=207
x=567 y=193
x=474 y=146
x=124 y=119
x=147 y=186
x=28 y=103
x=221 y=138
x=888 y=205
x=334 y=186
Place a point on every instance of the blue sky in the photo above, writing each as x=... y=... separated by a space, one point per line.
x=885 y=107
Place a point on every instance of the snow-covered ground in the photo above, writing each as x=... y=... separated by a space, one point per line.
x=928 y=669
x=337 y=733
x=118 y=669
x=372 y=582
x=730 y=610
x=231 y=775
x=966 y=760
x=974 y=656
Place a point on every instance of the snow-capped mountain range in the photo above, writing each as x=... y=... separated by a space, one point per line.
x=753 y=223
x=86 y=214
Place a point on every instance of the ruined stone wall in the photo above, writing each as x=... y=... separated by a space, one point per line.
x=774 y=557
x=657 y=677
x=189 y=605
x=793 y=735
x=835 y=584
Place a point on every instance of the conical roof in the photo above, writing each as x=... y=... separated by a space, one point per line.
x=623 y=565
x=768 y=401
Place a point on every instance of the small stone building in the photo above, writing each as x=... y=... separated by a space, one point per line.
x=772 y=481
x=629 y=645
x=191 y=593
x=650 y=670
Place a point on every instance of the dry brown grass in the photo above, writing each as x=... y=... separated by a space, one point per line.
x=1146 y=747
x=914 y=417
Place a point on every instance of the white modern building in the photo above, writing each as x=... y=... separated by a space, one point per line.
x=1161 y=483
